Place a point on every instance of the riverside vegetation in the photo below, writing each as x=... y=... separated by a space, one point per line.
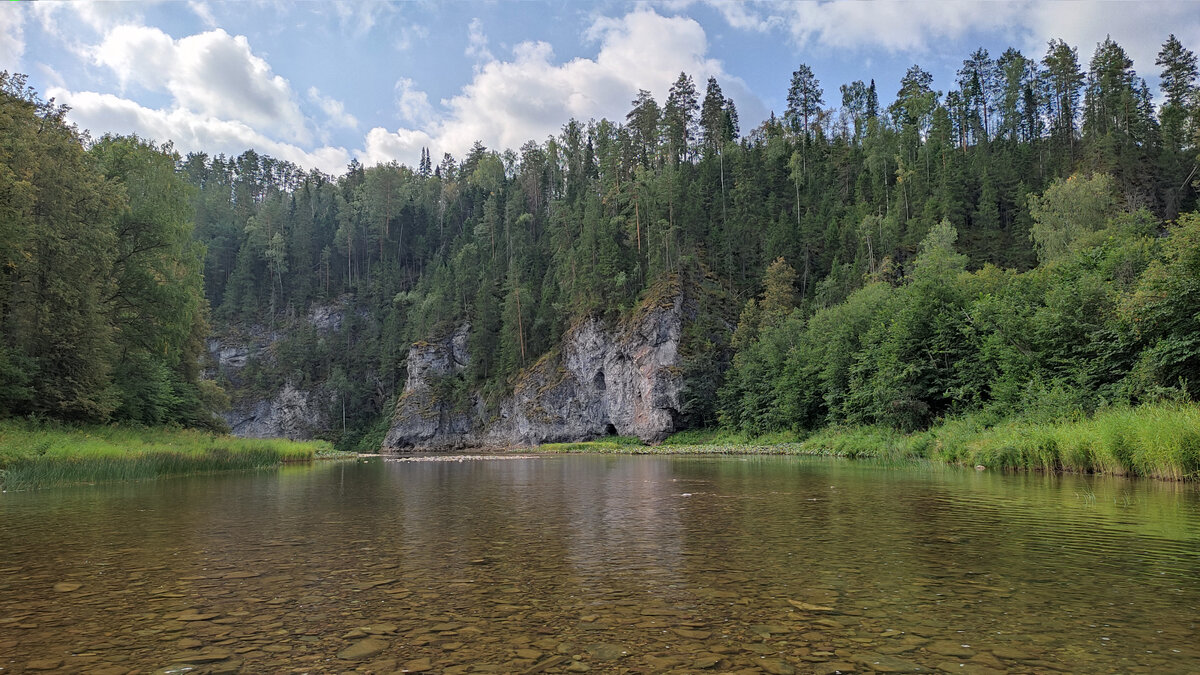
x=1003 y=274
x=1159 y=440
x=38 y=455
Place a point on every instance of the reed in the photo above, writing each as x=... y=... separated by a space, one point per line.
x=1156 y=440
x=34 y=454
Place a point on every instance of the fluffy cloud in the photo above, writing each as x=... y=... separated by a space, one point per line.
x=223 y=98
x=220 y=96
x=403 y=145
x=12 y=38
x=412 y=103
x=190 y=131
x=477 y=42
x=531 y=96
x=916 y=27
x=212 y=74
x=334 y=109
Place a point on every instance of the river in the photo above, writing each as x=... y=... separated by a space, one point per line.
x=603 y=563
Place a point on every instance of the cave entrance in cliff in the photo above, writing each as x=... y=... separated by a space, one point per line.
x=599 y=381
x=610 y=429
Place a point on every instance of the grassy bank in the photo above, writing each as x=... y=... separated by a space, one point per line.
x=1156 y=441
x=701 y=442
x=41 y=455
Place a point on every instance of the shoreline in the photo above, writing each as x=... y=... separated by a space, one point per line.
x=37 y=455
x=1160 y=441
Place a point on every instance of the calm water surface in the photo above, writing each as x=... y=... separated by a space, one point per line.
x=613 y=564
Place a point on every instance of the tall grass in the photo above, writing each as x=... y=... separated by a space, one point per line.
x=863 y=442
x=607 y=444
x=693 y=437
x=1159 y=440
x=36 y=455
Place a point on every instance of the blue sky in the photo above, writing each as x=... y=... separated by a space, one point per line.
x=321 y=83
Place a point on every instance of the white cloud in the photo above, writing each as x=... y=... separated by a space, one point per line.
x=12 y=38
x=408 y=36
x=917 y=27
x=412 y=103
x=1139 y=27
x=894 y=26
x=138 y=55
x=477 y=42
x=213 y=74
x=334 y=109
x=403 y=145
x=223 y=97
x=203 y=12
x=189 y=130
x=64 y=20
x=741 y=16
x=531 y=96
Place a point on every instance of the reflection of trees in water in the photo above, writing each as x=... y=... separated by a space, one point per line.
x=1046 y=564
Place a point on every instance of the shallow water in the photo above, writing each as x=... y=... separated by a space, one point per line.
x=617 y=564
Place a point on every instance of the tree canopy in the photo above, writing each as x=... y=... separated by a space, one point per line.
x=890 y=265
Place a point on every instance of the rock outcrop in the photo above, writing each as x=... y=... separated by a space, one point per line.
x=289 y=411
x=604 y=379
x=426 y=412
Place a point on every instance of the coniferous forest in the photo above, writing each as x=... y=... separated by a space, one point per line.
x=1025 y=244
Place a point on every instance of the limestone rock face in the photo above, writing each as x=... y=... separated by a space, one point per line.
x=291 y=413
x=605 y=379
x=288 y=412
x=425 y=415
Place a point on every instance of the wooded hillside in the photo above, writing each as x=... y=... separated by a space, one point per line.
x=1017 y=241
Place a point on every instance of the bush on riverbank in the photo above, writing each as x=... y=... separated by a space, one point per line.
x=39 y=455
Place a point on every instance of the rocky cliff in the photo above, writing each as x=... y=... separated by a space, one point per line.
x=291 y=413
x=284 y=411
x=604 y=379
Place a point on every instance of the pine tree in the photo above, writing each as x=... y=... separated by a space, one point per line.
x=679 y=118
x=1177 y=83
x=713 y=117
x=643 y=119
x=1062 y=83
x=805 y=98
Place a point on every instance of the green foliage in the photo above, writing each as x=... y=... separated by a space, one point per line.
x=1068 y=210
x=885 y=266
x=102 y=311
x=34 y=455
x=1156 y=440
x=1161 y=314
x=59 y=245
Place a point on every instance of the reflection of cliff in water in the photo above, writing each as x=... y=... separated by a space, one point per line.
x=642 y=563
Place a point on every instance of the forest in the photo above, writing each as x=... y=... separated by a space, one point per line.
x=1025 y=244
